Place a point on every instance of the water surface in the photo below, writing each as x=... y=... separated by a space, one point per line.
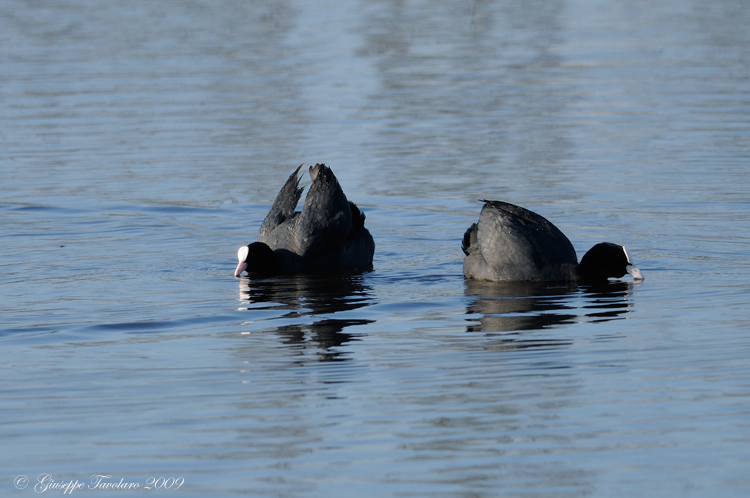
x=142 y=144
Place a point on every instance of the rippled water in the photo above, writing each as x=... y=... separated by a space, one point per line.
x=143 y=142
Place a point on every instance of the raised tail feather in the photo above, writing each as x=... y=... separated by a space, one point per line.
x=284 y=205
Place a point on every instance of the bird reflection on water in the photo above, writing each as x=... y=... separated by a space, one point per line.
x=506 y=310
x=301 y=300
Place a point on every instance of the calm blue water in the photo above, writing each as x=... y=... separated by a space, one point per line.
x=141 y=143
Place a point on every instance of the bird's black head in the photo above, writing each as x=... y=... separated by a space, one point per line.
x=257 y=259
x=607 y=260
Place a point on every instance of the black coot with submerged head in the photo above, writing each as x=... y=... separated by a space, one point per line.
x=510 y=243
x=329 y=233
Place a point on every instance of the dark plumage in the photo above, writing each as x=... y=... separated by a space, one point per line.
x=328 y=234
x=510 y=243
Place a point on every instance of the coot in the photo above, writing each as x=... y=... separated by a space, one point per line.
x=328 y=234
x=510 y=243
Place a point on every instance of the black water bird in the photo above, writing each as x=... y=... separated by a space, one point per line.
x=510 y=243
x=329 y=233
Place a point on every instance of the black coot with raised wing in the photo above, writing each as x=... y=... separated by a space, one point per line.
x=329 y=233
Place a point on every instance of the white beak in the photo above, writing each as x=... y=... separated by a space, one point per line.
x=633 y=270
x=240 y=268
